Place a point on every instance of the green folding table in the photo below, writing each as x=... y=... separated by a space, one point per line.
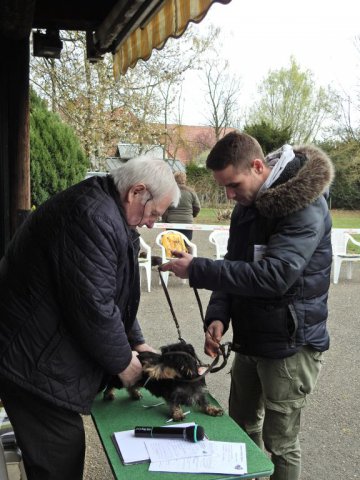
x=124 y=414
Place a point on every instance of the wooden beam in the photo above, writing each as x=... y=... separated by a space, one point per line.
x=4 y=156
x=19 y=138
x=15 y=26
x=15 y=199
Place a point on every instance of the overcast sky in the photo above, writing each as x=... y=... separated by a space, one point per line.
x=258 y=35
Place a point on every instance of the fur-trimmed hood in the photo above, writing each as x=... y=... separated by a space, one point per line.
x=304 y=179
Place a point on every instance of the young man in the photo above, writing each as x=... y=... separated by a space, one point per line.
x=69 y=294
x=272 y=285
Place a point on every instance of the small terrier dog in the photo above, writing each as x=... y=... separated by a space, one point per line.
x=173 y=375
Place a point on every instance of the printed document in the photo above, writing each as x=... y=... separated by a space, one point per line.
x=226 y=458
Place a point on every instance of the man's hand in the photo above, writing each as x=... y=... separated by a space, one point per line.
x=132 y=372
x=180 y=265
x=213 y=336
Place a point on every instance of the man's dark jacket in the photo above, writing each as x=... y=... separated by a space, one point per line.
x=69 y=294
x=277 y=301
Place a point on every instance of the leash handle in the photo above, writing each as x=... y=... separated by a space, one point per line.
x=224 y=349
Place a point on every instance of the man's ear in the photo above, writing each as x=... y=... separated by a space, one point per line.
x=258 y=165
x=135 y=191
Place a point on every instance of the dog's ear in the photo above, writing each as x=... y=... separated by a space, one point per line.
x=160 y=372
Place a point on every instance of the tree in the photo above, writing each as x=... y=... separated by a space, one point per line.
x=104 y=112
x=346 y=124
x=269 y=137
x=343 y=127
x=202 y=180
x=290 y=99
x=223 y=92
x=345 y=191
x=56 y=157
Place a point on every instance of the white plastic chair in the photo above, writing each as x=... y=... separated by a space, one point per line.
x=145 y=262
x=220 y=239
x=339 y=242
x=192 y=248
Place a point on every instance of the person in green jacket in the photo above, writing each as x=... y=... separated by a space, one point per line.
x=187 y=209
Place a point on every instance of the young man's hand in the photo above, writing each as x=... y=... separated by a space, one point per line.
x=180 y=265
x=213 y=336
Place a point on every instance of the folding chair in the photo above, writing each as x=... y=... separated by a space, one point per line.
x=219 y=238
x=145 y=262
x=190 y=246
x=339 y=241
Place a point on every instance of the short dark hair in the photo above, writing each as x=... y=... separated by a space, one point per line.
x=235 y=148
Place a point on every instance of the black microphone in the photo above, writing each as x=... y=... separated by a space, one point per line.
x=193 y=433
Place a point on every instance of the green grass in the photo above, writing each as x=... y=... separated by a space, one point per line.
x=346 y=218
x=208 y=216
x=340 y=218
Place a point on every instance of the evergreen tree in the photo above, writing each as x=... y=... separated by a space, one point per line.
x=57 y=160
x=269 y=137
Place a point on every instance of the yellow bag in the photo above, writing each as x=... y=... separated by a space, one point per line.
x=173 y=241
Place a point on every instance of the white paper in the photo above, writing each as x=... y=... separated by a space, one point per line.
x=159 y=450
x=133 y=450
x=259 y=252
x=226 y=458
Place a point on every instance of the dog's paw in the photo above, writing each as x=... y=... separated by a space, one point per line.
x=213 y=411
x=177 y=414
x=109 y=395
x=134 y=393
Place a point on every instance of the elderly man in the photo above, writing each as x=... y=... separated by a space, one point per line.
x=69 y=294
x=272 y=285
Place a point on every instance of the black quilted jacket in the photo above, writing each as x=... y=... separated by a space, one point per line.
x=69 y=293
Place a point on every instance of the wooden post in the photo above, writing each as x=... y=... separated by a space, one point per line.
x=4 y=155
x=19 y=139
x=15 y=200
x=16 y=20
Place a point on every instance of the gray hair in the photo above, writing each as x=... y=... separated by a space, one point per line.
x=154 y=172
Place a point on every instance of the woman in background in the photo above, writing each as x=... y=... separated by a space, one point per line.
x=188 y=207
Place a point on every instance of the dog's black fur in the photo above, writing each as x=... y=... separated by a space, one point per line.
x=173 y=375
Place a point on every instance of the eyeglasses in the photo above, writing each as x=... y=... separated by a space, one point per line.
x=154 y=213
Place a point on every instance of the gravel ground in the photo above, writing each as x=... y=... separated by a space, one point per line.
x=330 y=423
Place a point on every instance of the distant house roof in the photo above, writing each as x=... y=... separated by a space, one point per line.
x=131 y=150
x=176 y=165
x=186 y=142
x=115 y=162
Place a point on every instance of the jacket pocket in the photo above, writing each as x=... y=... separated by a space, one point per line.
x=264 y=322
x=62 y=359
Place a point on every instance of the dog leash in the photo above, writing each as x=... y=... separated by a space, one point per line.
x=224 y=349
x=170 y=305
